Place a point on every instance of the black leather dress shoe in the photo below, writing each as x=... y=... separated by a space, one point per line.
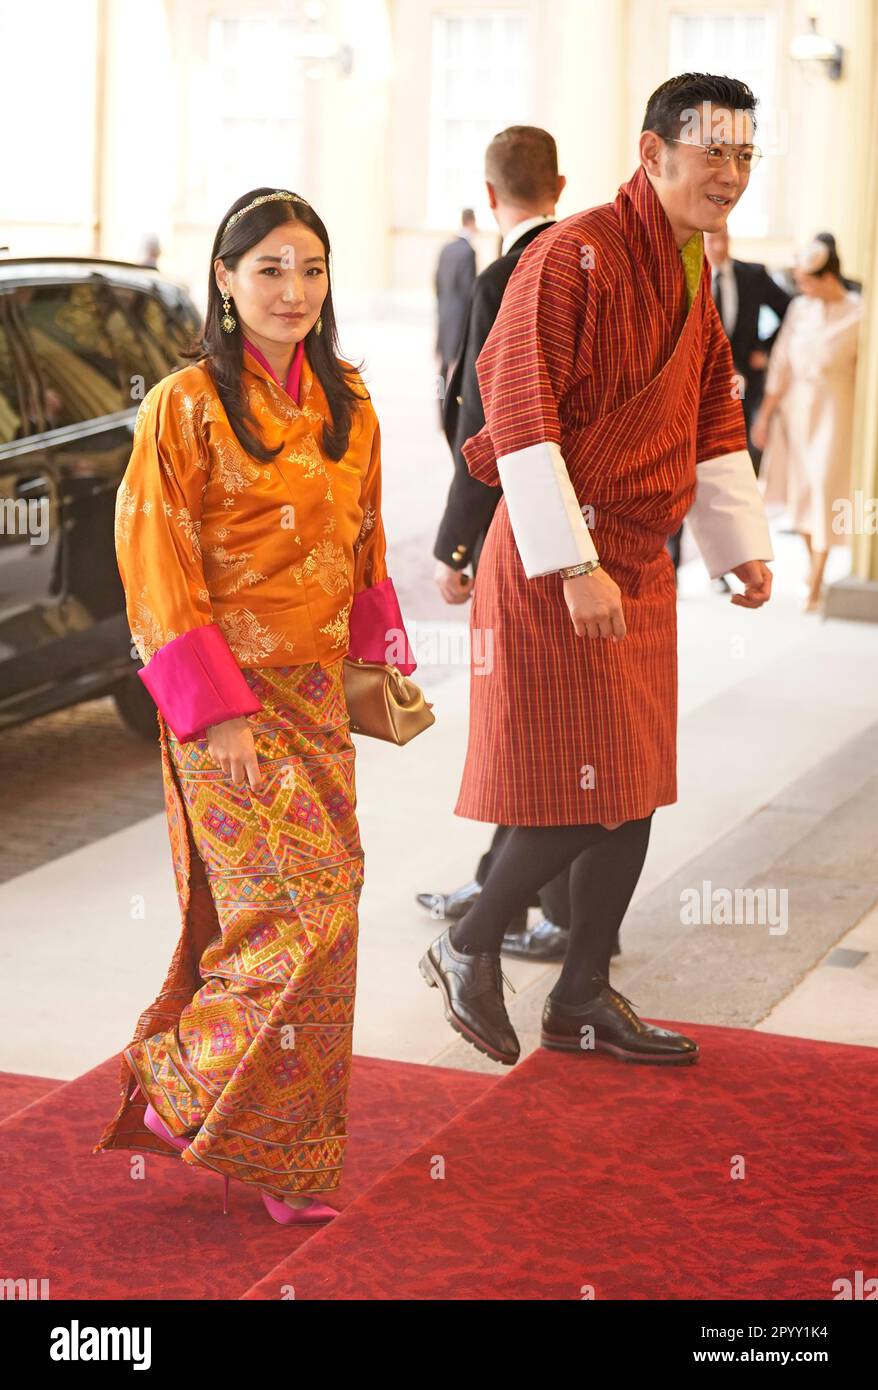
x=545 y=941
x=617 y=1030
x=450 y=907
x=472 y=988
x=721 y=585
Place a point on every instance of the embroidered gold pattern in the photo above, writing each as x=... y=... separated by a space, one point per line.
x=308 y=458
x=327 y=561
x=190 y=528
x=337 y=627
x=146 y=632
x=192 y=412
x=235 y=571
x=236 y=470
x=266 y=401
x=281 y=403
x=249 y=640
x=369 y=519
x=141 y=416
x=126 y=507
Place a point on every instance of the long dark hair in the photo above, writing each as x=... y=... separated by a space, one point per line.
x=833 y=264
x=225 y=351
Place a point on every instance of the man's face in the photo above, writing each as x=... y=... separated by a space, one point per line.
x=695 y=195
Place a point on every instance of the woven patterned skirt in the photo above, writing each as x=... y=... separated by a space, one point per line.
x=256 y=1067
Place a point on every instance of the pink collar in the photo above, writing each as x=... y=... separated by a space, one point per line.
x=294 y=375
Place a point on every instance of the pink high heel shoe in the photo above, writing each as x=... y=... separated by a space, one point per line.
x=286 y=1215
x=156 y=1125
x=279 y=1211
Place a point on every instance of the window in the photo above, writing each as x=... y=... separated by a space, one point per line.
x=66 y=336
x=257 y=82
x=480 y=84
x=13 y=424
x=147 y=337
x=742 y=45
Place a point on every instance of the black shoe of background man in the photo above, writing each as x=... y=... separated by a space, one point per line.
x=721 y=585
x=617 y=1030
x=472 y=989
x=450 y=907
x=545 y=941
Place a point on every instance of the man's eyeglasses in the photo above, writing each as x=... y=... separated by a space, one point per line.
x=718 y=155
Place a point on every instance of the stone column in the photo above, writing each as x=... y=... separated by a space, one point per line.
x=857 y=596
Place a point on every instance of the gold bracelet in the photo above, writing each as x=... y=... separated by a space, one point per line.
x=585 y=568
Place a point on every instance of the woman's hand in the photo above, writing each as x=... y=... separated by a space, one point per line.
x=231 y=745
x=595 y=605
x=759 y=428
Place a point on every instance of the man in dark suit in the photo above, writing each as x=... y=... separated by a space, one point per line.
x=523 y=183
x=455 y=273
x=740 y=289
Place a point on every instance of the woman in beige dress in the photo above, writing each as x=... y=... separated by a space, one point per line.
x=805 y=423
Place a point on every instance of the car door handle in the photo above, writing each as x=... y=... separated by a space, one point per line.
x=32 y=486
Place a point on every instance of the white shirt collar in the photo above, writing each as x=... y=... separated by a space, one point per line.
x=520 y=228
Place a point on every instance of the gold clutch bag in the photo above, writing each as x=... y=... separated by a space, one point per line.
x=383 y=703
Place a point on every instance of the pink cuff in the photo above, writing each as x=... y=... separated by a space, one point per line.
x=196 y=681
x=376 y=631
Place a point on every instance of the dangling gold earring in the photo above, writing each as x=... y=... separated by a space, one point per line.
x=227 y=322
x=319 y=325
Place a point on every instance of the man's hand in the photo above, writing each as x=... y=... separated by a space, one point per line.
x=758 y=360
x=595 y=605
x=231 y=745
x=454 y=585
x=756 y=577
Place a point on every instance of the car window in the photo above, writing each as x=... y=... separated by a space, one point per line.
x=73 y=352
x=148 y=338
x=12 y=423
x=22 y=410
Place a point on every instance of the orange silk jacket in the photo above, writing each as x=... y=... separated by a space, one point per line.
x=273 y=553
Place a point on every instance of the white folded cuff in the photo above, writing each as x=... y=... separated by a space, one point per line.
x=727 y=517
x=545 y=516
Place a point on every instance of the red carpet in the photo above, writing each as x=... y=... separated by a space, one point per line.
x=95 y=1230
x=578 y=1171
x=17 y=1091
x=564 y=1172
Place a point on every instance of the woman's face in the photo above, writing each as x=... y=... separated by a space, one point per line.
x=280 y=284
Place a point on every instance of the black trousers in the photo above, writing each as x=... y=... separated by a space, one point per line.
x=604 y=867
x=553 y=899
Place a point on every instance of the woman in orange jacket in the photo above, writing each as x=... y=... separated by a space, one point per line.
x=251 y=547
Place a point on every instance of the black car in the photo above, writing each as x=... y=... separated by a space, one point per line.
x=81 y=342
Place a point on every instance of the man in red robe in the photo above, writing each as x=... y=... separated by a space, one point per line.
x=612 y=412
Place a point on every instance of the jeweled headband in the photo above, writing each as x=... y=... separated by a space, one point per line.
x=265 y=198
